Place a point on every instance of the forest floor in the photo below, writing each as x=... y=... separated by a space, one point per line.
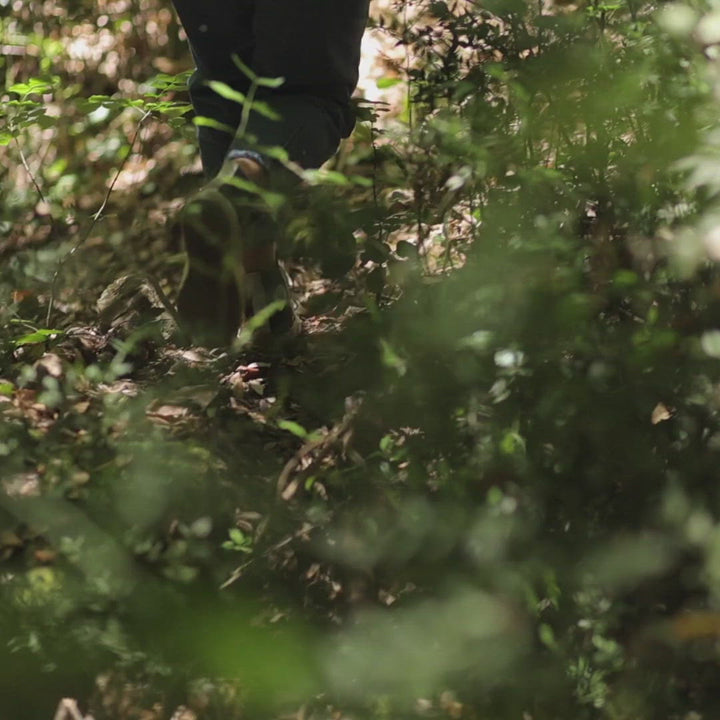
x=262 y=427
x=198 y=447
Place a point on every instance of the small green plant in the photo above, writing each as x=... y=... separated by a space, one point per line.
x=238 y=541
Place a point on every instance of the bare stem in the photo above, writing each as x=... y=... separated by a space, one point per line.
x=30 y=173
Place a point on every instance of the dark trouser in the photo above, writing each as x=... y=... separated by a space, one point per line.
x=313 y=44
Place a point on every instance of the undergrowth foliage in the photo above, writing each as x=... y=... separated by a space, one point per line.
x=484 y=487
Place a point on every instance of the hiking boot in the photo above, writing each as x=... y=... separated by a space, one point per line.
x=269 y=290
x=232 y=272
x=208 y=304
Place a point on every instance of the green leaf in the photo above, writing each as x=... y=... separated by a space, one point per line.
x=388 y=82
x=259 y=320
x=104 y=100
x=262 y=108
x=170 y=109
x=547 y=636
x=239 y=542
x=391 y=359
x=181 y=573
x=387 y=443
x=625 y=278
x=331 y=177
x=270 y=82
x=710 y=342
x=46 y=121
x=512 y=443
x=202 y=121
x=19 y=88
x=34 y=86
x=237 y=536
x=294 y=428
x=39 y=336
x=361 y=181
x=276 y=153
x=225 y=91
x=244 y=69
x=166 y=83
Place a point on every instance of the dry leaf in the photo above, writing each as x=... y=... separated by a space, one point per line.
x=52 y=365
x=660 y=413
x=238 y=386
x=122 y=387
x=200 y=395
x=253 y=371
x=81 y=477
x=23 y=485
x=45 y=556
x=450 y=705
x=9 y=539
x=68 y=710
x=258 y=386
x=168 y=413
x=695 y=625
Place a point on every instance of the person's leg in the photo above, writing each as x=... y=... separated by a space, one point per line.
x=315 y=46
x=217 y=30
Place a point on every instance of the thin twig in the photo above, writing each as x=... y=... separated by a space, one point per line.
x=34 y=181
x=408 y=78
x=373 y=145
x=97 y=215
x=95 y=218
x=30 y=173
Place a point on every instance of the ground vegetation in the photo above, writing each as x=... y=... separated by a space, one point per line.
x=481 y=485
